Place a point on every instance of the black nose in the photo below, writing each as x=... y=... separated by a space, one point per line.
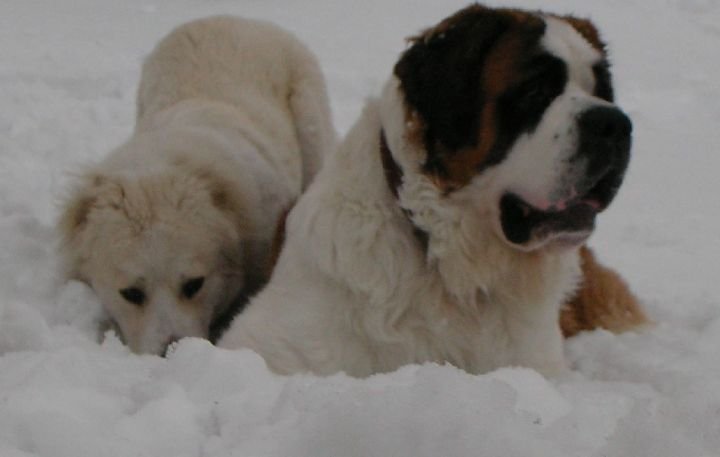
x=605 y=124
x=604 y=141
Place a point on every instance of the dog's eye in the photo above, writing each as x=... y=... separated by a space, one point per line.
x=133 y=295
x=536 y=92
x=192 y=286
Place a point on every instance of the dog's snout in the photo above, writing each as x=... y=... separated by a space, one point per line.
x=603 y=123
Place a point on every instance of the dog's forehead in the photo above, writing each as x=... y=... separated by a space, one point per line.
x=157 y=255
x=566 y=42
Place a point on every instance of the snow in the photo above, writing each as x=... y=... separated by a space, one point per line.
x=67 y=78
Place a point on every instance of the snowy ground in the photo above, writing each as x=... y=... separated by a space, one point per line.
x=68 y=71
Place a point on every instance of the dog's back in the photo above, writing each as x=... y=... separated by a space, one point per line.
x=244 y=63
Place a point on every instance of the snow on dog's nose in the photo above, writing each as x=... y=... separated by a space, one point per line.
x=171 y=339
x=167 y=321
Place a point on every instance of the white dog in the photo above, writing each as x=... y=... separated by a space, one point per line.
x=233 y=121
x=447 y=226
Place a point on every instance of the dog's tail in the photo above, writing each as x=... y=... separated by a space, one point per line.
x=310 y=106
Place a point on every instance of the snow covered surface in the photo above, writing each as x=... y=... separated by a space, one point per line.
x=68 y=71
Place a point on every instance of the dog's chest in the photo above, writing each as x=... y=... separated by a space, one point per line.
x=481 y=327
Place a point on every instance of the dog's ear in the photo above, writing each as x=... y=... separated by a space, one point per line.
x=440 y=76
x=75 y=214
x=224 y=195
x=78 y=206
x=74 y=217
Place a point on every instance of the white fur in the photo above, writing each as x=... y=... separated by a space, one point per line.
x=233 y=123
x=562 y=40
x=538 y=170
x=354 y=291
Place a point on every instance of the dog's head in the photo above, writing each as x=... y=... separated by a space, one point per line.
x=163 y=252
x=519 y=104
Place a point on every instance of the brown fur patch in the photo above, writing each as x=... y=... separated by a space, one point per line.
x=604 y=300
x=499 y=73
x=452 y=76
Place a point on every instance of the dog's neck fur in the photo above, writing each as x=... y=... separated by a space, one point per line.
x=457 y=238
x=393 y=176
x=474 y=290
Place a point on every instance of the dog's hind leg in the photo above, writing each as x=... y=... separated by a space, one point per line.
x=603 y=300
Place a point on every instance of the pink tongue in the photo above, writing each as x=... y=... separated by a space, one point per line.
x=542 y=204
x=546 y=205
x=594 y=204
x=562 y=205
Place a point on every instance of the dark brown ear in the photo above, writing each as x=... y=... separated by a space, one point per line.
x=441 y=77
x=588 y=31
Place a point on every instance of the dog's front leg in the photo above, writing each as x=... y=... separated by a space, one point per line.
x=537 y=341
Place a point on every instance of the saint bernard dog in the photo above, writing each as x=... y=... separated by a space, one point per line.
x=448 y=226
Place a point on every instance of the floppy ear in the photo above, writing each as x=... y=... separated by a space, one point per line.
x=225 y=189
x=224 y=195
x=74 y=218
x=440 y=75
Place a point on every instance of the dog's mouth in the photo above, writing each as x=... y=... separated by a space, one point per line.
x=567 y=222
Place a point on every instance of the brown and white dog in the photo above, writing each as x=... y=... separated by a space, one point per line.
x=448 y=225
